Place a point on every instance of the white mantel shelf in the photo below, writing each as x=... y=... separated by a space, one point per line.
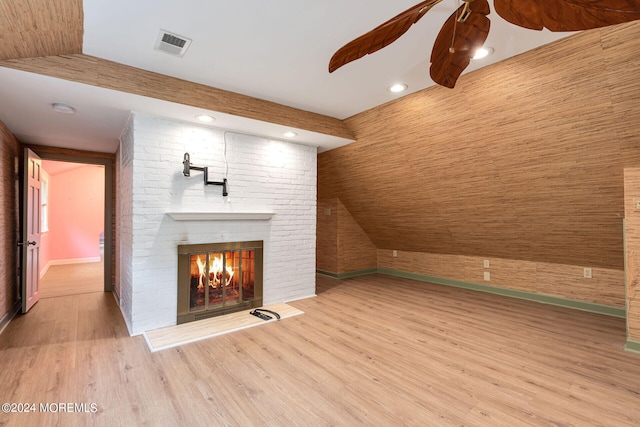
x=220 y=216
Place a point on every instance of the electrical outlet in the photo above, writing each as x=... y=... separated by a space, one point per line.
x=587 y=273
x=486 y=263
x=395 y=253
x=487 y=276
x=327 y=212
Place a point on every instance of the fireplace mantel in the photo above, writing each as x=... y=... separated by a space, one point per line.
x=220 y=216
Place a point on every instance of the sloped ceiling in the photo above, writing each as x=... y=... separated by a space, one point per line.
x=526 y=162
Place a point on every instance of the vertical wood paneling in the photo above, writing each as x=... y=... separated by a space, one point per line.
x=523 y=160
x=632 y=241
x=9 y=220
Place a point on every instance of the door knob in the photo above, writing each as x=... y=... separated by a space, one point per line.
x=27 y=244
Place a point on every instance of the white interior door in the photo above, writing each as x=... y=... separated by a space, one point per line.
x=31 y=230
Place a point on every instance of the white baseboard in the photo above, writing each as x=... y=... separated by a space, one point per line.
x=300 y=298
x=74 y=261
x=45 y=269
x=68 y=261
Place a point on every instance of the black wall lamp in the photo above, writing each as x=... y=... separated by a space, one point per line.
x=187 y=172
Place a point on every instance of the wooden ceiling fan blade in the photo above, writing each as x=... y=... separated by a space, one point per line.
x=381 y=36
x=457 y=42
x=567 y=15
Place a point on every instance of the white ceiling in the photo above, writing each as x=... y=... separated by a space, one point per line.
x=277 y=50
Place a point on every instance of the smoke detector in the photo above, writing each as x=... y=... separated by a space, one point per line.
x=172 y=44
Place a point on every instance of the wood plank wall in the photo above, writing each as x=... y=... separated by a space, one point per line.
x=341 y=244
x=522 y=161
x=632 y=241
x=566 y=281
x=10 y=155
x=32 y=28
x=356 y=251
x=327 y=236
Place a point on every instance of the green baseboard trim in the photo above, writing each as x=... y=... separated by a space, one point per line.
x=327 y=273
x=513 y=293
x=632 y=346
x=348 y=274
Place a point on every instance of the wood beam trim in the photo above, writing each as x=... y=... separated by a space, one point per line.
x=111 y=75
x=64 y=154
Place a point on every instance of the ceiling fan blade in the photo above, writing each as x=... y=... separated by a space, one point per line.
x=381 y=36
x=457 y=42
x=567 y=15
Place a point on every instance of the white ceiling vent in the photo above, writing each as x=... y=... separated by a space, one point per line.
x=172 y=43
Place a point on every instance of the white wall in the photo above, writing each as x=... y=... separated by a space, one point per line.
x=263 y=175
x=126 y=225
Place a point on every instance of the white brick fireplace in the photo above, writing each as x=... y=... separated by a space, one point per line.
x=264 y=176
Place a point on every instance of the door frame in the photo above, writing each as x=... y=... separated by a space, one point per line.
x=32 y=220
x=91 y=158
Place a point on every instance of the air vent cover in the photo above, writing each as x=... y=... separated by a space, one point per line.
x=172 y=43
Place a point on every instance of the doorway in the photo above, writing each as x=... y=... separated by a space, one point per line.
x=72 y=227
x=104 y=258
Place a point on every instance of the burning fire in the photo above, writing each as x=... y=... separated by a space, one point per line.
x=216 y=270
x=201 y=265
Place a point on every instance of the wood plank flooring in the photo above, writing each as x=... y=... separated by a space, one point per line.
x=71 y=279
x=373 y=350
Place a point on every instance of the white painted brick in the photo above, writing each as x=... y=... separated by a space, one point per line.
x=264 y=175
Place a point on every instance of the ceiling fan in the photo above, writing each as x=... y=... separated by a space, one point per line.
x=468 y=27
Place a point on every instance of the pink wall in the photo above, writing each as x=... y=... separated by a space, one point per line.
x=45 y=252
x=45 y=241
x=76 y=214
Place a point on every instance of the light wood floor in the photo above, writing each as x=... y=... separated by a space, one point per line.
x=71 y=279
x=374 y=350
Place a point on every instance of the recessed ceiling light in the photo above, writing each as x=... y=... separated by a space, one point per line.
x=398 y=87
x=483 y=52
x=290 y=134
x=205 y=118
x=63 y=108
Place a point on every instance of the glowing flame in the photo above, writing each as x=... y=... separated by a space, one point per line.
x=216 y=270
x=201 y=265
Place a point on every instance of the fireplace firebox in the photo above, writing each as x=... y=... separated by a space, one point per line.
x=218 y=278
